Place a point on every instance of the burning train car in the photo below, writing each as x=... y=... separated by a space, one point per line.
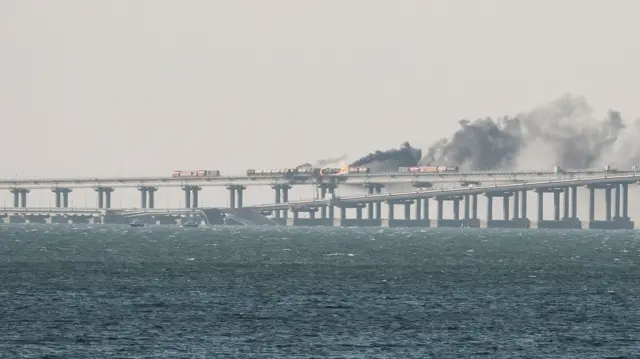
x=196 y=173
x=354 y=170
x=303 y=172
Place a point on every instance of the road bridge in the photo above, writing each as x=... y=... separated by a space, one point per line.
x=236 y=185
x=513 y=195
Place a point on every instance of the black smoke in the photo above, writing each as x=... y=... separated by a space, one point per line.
x=390 y=160
x=563 y=132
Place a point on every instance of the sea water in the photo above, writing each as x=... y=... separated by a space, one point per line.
x=222 y=292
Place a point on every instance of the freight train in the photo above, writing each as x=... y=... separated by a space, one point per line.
x=196 y=173
x=306 y=171
x=429 y=169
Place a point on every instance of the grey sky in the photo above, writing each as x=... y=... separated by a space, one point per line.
x=93 y=88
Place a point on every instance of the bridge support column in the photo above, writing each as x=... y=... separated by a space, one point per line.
x=556 y=205
x=195 y=191
x=23 y=198
x=425 y=208
x=236 y=194
x=618 y=204
x=323 y=195
x=440 y=211
x=107 y=197
x=143 y=197
x=467 y=207
x=16 y=198
x=540 y=206
x=516 y=205
x=61 y=197
x=565 y=203
x=146 y=196
x=359 y=213
x=474 y=206
x=378 y=189
x=607 y=200
x=187 y=196
x=505 y=206
x=419 y=208
x=151 y=193
x=19 y=197
x=456 y=208
x=282 y=196
x=625 y=201
x=523 y=202
x=370 y=205
x=390 y=213
x=65 y=197
x=592 y=204
x=240 y=199
x=100 y=192
x=489 y=207
x=58 y=197
x=618 y=220
x=104 y=196
x=278 y=190
x=574 y=202
x=407 y=210
x=285 y=199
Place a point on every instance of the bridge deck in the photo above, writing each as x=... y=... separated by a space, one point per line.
x=384 y=178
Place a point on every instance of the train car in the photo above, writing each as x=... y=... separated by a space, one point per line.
x=311 y=171
x=272 y=172
x=362 y=169
x=428 y=169
x=418 y=169
x=329 y=171
x=197 y=173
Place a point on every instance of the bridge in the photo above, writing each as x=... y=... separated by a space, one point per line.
x=615 y=187
x=374 y=182
x=270 y=180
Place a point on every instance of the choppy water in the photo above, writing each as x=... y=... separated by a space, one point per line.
x=119 y=292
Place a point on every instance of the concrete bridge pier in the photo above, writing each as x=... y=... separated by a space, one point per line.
x=323 y=195
x=19 y=197
x=281 y=196
x=407 y=221
x=187 y=196
x=508 y=220
x=195 y=192
x=558 y=222
x=236 y=195
x=104 y=196
x=374 y=209
x=191 y=196
x=146 y=196
x=327 y=212
x=151 y=193
x=456 y=221
x=61 y=197
x=619 y=220
x=143 y=197
x=359 y=221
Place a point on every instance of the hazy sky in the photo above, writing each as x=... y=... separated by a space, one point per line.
x=94 y=88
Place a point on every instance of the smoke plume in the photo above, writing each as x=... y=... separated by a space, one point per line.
x=388 y=161
x=324 y=163
x=563 y=132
